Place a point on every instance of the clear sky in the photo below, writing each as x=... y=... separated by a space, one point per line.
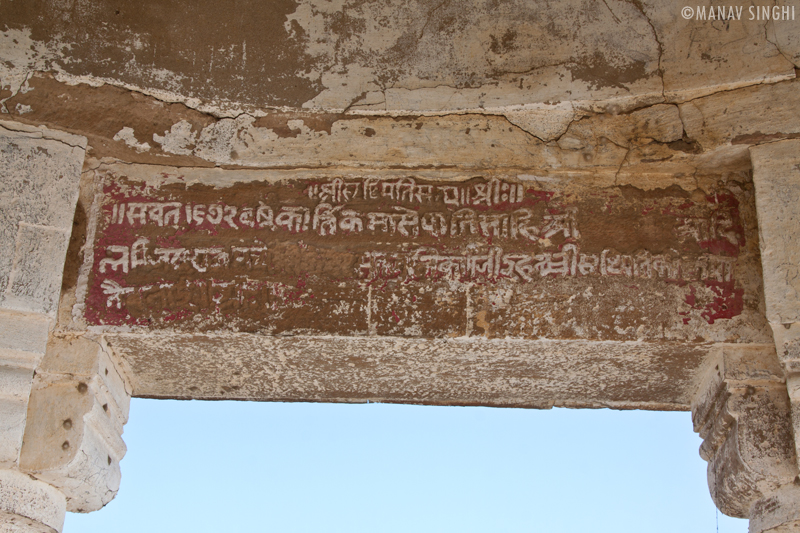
x=245 y=466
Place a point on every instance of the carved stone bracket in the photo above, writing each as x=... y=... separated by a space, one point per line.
x=73 y=438
x=743 y=414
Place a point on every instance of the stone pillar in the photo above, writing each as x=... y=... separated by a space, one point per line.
x=743 y=414
x=62 y=400
x=776 y=175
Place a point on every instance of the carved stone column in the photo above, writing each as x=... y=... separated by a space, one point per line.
x=62 y=400
x=742 y=412
x=776 y=175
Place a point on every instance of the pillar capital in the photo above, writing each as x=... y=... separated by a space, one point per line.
x=743 y=413
x=73 y=437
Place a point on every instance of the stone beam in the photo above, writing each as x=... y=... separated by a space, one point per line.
x=635 y=144
x=434 y=287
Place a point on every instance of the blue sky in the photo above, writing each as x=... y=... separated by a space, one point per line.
x=246 y=466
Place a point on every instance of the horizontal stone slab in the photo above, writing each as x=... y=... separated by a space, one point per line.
x=496 y=372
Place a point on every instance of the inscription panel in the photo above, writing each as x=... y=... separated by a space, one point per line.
x=509 y=256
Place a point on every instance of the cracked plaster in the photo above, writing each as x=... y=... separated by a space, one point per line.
x=419 y=57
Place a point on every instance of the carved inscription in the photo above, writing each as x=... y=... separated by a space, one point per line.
x=333 y=255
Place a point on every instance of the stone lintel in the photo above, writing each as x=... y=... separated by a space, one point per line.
x=465 y=371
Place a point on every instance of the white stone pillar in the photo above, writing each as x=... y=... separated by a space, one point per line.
x=776 y=175
x=78 y=396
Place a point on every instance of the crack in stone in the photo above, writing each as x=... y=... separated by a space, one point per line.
x=774 y=43
x=638 y=5
x=694 y=177
x=532 y=69
x=622 y=163
x=612 y=12
x=428 y=18
x=732 y=89
x=7 y=125
x=3 y=108
x=574 y=120
x=520 y=128
x=354 y=102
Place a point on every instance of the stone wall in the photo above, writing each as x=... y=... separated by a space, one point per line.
x=510 y=204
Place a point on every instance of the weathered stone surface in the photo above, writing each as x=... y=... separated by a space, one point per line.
x=624 y=144
x=23 y=338
x=418 y=57
x=782 y=32
x=743 y=117
x=35 y=278
x=777 y=180
x=517 y=203
x=78 y=405
x=39 y=189
x=359 y=255
x=719 y=48
x=22 y=333
x=27 y=505
x=613 y=277
x=742 y=412
x=19 y=524
x=495 y=372
x=780 y=513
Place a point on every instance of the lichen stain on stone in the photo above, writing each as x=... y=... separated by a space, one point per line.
x=505 y=43
x=101 y=112
x=599 y=72
x=146 y=43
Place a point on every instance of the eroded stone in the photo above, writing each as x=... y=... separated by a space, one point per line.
x=36 y=164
